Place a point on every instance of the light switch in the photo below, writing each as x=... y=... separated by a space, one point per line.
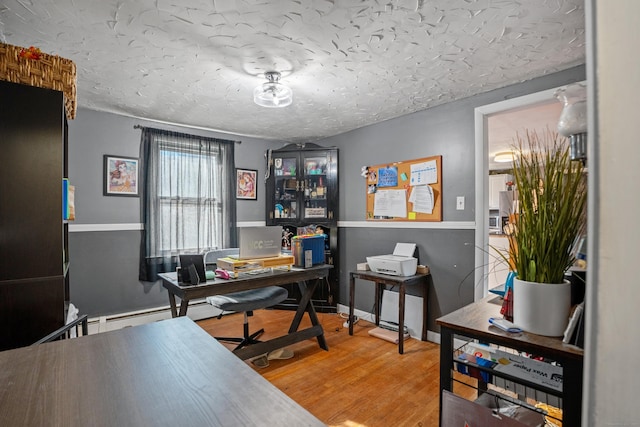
x=460 y=203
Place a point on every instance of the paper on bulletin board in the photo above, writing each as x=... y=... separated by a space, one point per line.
x=422 y=199
x=424 y=173
x=390 y=203
x=388 y=177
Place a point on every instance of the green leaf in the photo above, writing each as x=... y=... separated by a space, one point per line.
x=552 y=207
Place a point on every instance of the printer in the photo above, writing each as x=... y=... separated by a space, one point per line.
x=400 y=263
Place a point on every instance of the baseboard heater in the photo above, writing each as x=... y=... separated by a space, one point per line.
x=198 y=310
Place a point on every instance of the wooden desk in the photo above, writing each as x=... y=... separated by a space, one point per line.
x=254 y=281
x=167 y=373
x=381 y=280
x=472 y=321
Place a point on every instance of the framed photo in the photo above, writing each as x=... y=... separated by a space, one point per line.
x=246 y=180
x=120 y=176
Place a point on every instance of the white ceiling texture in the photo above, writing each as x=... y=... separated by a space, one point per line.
x=350 y=63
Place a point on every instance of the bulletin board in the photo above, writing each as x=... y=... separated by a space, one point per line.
x=405 y=191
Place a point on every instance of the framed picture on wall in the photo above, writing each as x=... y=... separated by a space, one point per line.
x=246 y=180
x=120 y=176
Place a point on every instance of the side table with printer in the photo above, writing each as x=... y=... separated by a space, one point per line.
x=397 y=269
x=381 y=280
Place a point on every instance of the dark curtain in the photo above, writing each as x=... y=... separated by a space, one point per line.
x=188 y=198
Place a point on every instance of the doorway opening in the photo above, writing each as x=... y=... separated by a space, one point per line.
x=496 y=127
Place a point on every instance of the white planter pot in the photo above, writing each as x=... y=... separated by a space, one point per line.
x=541 y=308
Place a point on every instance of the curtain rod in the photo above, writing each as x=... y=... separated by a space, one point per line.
x=142 y=127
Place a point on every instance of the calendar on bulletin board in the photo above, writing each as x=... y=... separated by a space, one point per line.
x=405 y=191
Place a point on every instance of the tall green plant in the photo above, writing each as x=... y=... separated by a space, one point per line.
x=551 y=208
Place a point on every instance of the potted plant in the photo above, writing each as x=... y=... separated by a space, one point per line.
x=550 y=218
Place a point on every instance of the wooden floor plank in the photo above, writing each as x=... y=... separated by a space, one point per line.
x=360 y=381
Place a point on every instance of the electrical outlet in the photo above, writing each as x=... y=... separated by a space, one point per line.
x=460 y=203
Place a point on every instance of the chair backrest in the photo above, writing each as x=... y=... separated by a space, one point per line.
x=211 y=257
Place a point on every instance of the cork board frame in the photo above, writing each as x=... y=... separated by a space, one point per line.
x=399 y=176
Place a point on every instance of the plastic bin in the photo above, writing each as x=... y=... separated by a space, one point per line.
x=303 y=243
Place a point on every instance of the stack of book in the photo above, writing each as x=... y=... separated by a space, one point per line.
x=574 y=334
x=68 y=202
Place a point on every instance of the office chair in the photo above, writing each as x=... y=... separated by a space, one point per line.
x=243 y=301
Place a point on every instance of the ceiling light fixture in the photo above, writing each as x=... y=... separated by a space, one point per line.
x=273 y=94
x=503 y=157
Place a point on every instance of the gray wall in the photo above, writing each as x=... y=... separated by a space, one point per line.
x=93 y=134
x=104 y=263
x=447 y=130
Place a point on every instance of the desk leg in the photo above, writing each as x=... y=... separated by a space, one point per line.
x=446 y=363
x=425 y=305
x=572 y=399
x=352 y=301
x=294 y=334
x=307 y=305
x=305 y=300
x=172 y=304
x=376 y=305
x=184 y=304
x=401 y=296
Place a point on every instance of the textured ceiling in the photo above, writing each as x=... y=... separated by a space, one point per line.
x=350 y=63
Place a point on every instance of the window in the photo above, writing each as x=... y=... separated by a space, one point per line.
x=188 y=203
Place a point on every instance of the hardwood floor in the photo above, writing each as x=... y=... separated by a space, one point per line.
x=360 y=381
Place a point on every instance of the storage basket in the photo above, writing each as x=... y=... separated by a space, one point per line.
x=43 y=70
